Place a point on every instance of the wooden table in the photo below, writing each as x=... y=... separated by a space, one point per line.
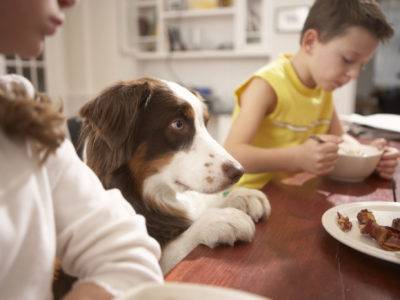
x=292 y=256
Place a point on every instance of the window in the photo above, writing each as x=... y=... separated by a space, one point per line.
x=33 y=69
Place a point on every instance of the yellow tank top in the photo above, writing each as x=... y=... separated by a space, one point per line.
x=300 y=112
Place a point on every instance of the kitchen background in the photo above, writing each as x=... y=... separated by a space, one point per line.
x=211 y=45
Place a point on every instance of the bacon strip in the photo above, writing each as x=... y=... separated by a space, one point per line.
x=387 y=237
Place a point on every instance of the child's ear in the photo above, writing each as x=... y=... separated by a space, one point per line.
x=310 y=37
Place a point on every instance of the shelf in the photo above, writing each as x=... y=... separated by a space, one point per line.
x=206 y=54
x=199 y=13
x=145 y=39
x=192 y=28
x=253 y=34
x=146 y=3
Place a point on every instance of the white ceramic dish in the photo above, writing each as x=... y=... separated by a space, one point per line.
x=355 y=162
x=185 y=291
x=384 y=213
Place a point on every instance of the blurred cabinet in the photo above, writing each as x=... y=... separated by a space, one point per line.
x=192 y=28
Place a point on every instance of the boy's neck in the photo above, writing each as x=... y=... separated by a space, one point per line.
x=299 y=63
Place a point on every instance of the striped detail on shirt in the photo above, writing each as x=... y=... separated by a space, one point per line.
x=301 y=128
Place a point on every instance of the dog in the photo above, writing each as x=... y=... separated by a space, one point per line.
x=148 y=138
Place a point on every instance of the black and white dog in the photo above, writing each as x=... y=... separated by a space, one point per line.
x=148 y=138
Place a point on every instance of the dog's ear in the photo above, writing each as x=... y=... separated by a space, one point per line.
x=197 y=94
x=113 y=113
x=207 y=115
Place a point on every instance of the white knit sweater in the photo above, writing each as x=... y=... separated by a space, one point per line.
x=61 y=209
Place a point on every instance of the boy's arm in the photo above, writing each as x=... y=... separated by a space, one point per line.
x=258 y=100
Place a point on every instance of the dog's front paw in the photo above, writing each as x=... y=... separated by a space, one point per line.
x=253 y=202
x=227 y=225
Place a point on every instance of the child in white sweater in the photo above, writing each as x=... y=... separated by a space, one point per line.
x=51 y=204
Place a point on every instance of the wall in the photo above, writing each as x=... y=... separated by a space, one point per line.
x=232 y=72
x=55 y=67
x=94 y=59
x=387 y=62
x=221 y=75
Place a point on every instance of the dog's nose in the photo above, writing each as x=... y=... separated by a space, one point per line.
x=232 y=172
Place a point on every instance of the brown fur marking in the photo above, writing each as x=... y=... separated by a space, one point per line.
x=142 y=169
x=129 y=137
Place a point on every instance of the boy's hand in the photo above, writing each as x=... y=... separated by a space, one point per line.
x=319 y=157
x=389 y=160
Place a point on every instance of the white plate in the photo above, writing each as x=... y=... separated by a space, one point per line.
x=384 y=213
x=184 y=291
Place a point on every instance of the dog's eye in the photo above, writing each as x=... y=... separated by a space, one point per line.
x=177 y=124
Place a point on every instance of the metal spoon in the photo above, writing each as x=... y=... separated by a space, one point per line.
x=317 y=138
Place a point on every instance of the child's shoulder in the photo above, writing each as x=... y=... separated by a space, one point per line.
x=275 y=73
x=276 y=68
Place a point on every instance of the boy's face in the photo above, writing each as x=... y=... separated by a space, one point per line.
x=336 y=62
x=25 y=23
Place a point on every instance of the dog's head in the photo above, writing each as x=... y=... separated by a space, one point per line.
x=158 y=130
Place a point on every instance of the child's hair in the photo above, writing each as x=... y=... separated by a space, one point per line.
x=331 y=18
x=36 y=121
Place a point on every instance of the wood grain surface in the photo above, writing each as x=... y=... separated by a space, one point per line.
x=292 y=256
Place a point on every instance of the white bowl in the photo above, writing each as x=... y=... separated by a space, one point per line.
x=355 y=162
x=185 y=291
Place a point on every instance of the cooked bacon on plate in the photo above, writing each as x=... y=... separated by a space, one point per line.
x=387 y=237
x=344 y=222
x=364 y=216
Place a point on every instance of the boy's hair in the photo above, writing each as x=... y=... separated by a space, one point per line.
x=331 y=18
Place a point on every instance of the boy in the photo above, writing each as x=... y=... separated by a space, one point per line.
x=285 y=102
